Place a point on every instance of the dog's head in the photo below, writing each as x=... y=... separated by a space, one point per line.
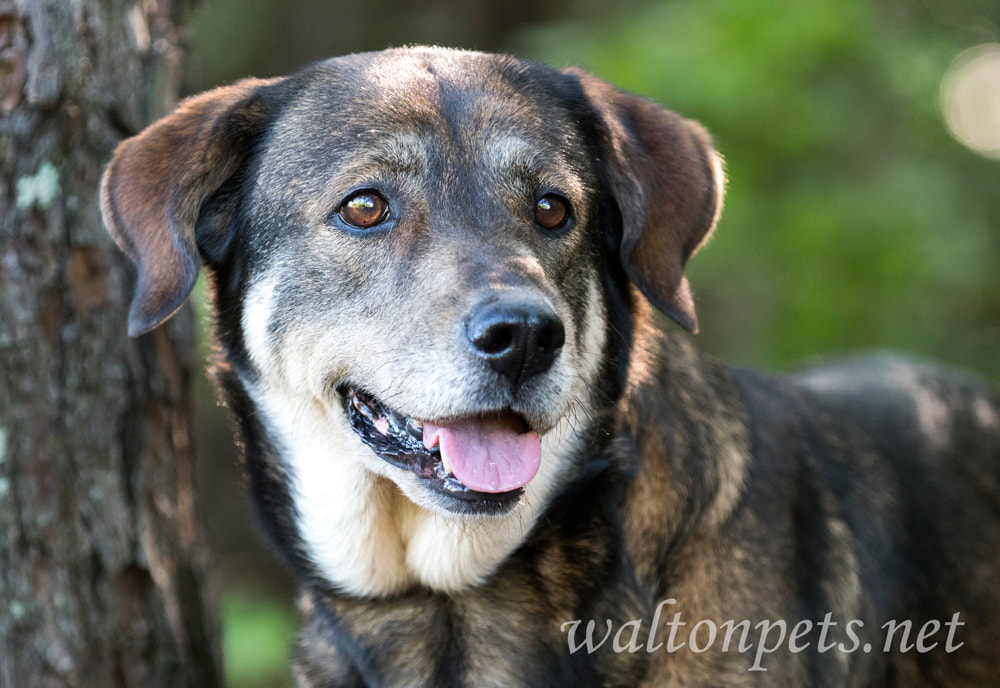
x=411 y=252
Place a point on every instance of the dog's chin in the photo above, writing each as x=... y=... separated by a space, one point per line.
x=421 y=449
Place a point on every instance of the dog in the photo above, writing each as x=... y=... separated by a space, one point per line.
x=435 y=277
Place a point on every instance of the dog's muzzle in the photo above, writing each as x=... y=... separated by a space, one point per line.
x=481 y=461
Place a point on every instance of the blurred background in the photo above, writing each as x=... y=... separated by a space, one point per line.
x=862 y=140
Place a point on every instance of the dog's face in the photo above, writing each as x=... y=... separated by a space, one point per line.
x=423 y=278
x=412 y=253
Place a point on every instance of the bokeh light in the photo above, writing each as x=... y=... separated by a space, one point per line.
x=970 y=99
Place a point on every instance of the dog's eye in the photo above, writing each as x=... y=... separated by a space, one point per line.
x=364 y=210
x=551 y=211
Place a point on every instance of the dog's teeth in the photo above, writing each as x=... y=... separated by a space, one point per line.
x=444 y=462
x=359 y=405
x=418 y=425
x=415 y=429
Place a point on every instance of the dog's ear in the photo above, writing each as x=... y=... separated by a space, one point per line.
x=157 y=182
x=668 y=183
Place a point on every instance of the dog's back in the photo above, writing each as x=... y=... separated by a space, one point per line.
x=939 y=431
x=867 y=489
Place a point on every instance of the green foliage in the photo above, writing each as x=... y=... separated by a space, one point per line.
x=852 y=220
x=257 y=636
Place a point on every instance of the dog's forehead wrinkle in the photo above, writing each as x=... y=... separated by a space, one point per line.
x=518 y=165
x=469 y=85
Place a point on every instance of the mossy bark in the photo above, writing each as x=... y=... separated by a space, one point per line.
x=101 y=548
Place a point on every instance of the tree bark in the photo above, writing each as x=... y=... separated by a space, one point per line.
x=101 y=550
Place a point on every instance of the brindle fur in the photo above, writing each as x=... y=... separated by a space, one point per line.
x=867 y=488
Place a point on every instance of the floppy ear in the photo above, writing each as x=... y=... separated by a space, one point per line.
x=668 y=183
x=157 y=181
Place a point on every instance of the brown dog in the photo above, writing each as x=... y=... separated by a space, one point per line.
x=484 y=457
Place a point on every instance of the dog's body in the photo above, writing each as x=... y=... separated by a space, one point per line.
x=465 y=430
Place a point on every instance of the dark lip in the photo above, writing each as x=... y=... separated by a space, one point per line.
x=403 y=447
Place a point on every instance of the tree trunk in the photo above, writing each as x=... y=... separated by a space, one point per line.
x=101 y=552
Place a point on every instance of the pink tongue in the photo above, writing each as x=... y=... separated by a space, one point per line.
x=486 y=453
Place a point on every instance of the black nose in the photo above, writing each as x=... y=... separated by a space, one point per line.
x=517 y=340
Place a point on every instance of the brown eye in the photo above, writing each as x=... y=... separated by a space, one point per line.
x=364 y=210
x=551 y=211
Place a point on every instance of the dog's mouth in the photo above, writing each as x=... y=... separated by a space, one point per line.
x=482 y=462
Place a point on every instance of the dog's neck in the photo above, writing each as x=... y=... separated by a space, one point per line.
x=688 y=454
